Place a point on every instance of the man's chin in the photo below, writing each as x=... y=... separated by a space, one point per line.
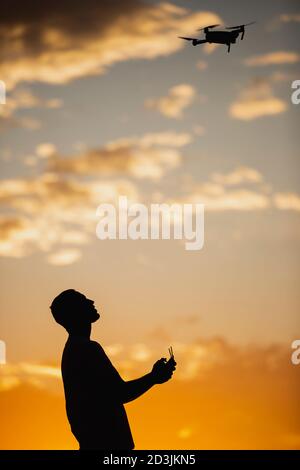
x=95 y=317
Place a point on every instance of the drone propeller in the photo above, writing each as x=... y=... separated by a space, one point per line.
x=241 y=25
x=207 y=27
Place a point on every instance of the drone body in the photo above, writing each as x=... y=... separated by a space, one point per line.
x=219 y=37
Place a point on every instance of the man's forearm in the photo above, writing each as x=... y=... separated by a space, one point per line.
x=135 y=388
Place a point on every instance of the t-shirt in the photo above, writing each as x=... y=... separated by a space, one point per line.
x=93 y=392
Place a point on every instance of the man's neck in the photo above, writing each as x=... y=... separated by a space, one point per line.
x=82 y=332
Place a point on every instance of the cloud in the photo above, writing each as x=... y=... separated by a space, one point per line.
x=290 y=18
x=167 y=138
x=24 y=99
x=284 y=18
x=196 y=358
x=54 y=193
x=10 y=122
x=273 y=58
x=51 y=213
x=231 y=192
x=114 y=349
x=41 y=370
x=210 y=48
x=16 y=235
x=287 y=201
x=64 y=257
x=45 y=150
x=255 y=101
x=143 y=164
x=238 y=176
x=47 y=190
x=54 y=213
x=216 y=198
x=36 y=375
x=69 y=40
x=281 y=77
x=247 y=110
x=147 y=157
x=179 y=98
x=230 y=396
x=140 y=352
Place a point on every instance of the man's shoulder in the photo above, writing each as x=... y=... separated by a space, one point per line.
x=83 y=344
x=96 y=346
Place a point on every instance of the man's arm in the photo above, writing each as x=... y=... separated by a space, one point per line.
x=106 y=375
x=162 y=372
x=137 y=387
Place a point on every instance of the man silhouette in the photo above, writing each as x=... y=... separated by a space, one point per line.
x=94 y=391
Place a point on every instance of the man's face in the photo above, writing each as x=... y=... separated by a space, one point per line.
x=89 y=308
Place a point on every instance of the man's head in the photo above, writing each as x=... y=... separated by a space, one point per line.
x=73 y=310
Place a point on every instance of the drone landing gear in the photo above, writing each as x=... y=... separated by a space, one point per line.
x=228 y=44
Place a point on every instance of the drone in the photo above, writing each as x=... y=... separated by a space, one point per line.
x=220 y=37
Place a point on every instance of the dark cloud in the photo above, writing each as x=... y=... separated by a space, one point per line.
x=58 y=42
x=25 y=23
x=71 y=16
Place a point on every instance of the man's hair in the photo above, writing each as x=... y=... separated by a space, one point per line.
x=67 y=308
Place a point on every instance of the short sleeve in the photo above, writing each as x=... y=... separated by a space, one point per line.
x=102 y=372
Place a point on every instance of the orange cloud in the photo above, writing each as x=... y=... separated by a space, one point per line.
x=16 y=235
x=50 y=210
x=57 y=47
x=238 y=176
x=287 y=201
x=45 y=150
x=290 y=18
x=179 y=97
x=55 y=213
x=216 y=198
x=255 y=101
x=147 y=157
x=23 y=99
x=230 y=191
x=223 y=396
x=248 y=110
x=64 y=257
x=242 y=189
x=273 y=58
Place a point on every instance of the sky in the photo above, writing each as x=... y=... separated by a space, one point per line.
x=103 y=99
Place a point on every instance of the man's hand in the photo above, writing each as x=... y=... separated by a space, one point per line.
x=163 y=370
